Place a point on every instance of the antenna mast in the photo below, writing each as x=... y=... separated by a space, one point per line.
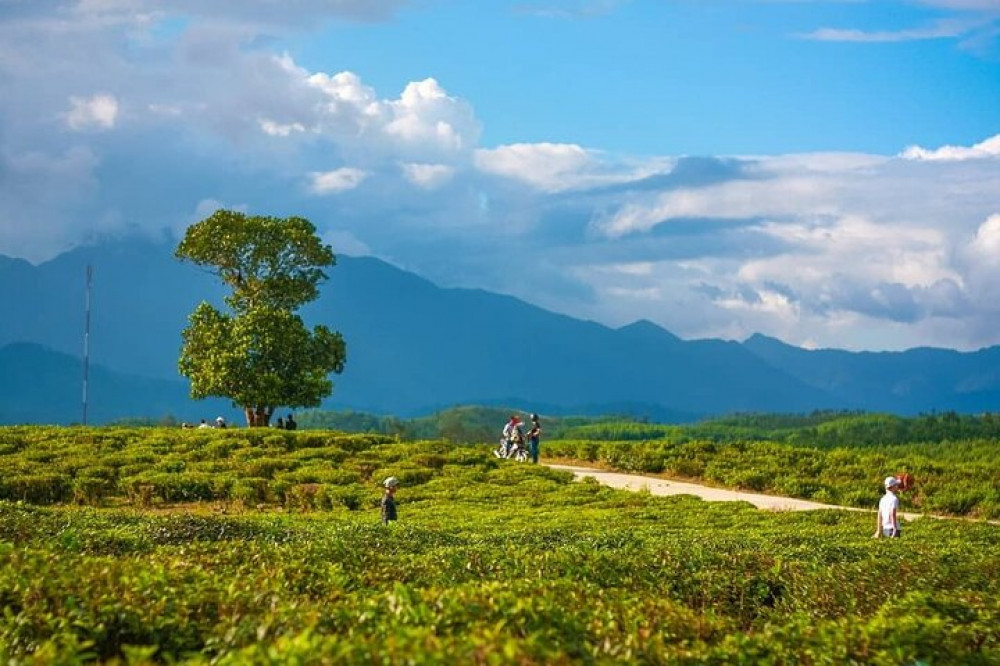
x=86 y=343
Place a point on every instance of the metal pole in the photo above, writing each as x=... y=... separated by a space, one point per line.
x=86 y=343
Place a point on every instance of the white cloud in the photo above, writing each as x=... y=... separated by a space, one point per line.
x=986 y=243
x=869 y=252
x=423 y=113
x=982 y=269
x=277 y=129
x=424 y=124
x=990 y=148
x=428 y=176
x=808 y=196
x=548 y=166
x=338 y=180
x=557 y=167
x=974 y=25
x=96 y=112
x=856 y=252
x=939 y=30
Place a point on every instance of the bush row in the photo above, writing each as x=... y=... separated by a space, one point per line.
x=949 y=484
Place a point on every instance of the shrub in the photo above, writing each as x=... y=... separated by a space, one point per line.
x=958 y=501
x=249 y=490
x=186 y=487
x=692 y=469
x=91 y=490
x=351 y=497
x=266 y=467
x=37 y=488
x=303 y=496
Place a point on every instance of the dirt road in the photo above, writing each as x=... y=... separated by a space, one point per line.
x=664 y=487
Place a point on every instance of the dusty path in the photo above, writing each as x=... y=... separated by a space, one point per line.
x=664 y=487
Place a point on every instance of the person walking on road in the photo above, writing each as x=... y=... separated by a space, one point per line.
x=887 y=519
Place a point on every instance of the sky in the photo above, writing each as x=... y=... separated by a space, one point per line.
x=823 y=172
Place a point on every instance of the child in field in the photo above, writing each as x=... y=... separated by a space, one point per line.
x=389 y=500
x=887 y=519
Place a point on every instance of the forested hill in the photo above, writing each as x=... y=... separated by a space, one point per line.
x=414 y=347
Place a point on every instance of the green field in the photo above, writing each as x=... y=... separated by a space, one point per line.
x=241 y=546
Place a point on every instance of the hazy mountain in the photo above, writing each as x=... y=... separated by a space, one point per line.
x=414 y=347
x=917 y=380
x=43 y=386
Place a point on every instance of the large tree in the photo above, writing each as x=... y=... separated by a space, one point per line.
x=260 y=354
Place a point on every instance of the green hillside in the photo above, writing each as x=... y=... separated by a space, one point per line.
x=265 y=547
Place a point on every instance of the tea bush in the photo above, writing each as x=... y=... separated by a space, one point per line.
x=952 y=477
x=491 y=562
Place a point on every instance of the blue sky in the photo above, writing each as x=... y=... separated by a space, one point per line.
x=683 y=77
x=824 y=172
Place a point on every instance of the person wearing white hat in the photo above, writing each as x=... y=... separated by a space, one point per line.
x=389 y=500
x=887 y=520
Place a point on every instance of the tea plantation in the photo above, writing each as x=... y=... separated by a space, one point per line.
x=126 y=545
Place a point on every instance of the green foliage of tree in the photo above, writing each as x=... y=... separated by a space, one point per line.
x=266 y=261
x=261 y=355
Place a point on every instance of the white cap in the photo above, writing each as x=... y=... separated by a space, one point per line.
x=891 y=481
x=391 y=482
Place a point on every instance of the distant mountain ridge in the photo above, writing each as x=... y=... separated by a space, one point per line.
x=922 y=379
x=414 y=347
x=44 y=386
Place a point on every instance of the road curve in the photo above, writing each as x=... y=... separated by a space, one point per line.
x=658 y=486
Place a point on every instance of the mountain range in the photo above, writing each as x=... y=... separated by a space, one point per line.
x=414 y=347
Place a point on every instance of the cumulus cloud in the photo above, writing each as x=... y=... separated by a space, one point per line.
x=990 y=148
x=545 y=165
x=423 y=122
x=799 y=195
x=556 y=167
x=338 y=180
x=986 y=243
x=428 y=176
x=843 y=251
x=96 y=112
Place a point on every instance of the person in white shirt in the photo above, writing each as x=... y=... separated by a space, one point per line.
x=887 y=520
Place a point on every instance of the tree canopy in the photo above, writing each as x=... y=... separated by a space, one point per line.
x=260 y=355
